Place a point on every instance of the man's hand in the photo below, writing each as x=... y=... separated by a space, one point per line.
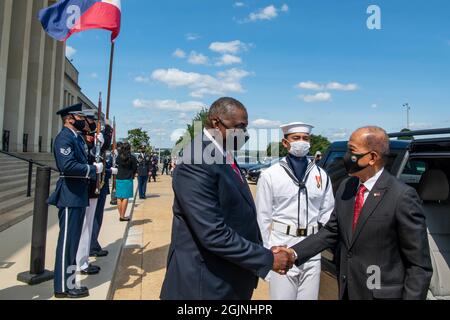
x=284 y=259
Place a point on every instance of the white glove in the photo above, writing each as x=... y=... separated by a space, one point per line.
x=114 y=171
x=99 y=167
x=101 y=139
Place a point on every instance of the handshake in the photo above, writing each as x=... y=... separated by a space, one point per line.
x=284 y=259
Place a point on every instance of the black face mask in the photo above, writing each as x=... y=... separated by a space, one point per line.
x=351 y=161
x=92 y=126
x=79 y=124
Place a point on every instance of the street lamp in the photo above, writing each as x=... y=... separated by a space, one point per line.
x=408 y=109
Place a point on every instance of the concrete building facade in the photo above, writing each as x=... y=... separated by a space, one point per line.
x=36 y=79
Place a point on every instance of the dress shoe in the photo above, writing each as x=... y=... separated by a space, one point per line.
x=99 y=254
x=83 y=292
x=91 y=270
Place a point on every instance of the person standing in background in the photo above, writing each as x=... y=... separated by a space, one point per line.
x=154 y=166
x=127 y=169
x=144 y=167
x=165 y=166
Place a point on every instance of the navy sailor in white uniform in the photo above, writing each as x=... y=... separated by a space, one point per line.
x=71 y=198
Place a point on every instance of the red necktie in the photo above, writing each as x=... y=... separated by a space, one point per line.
x=234 y=166
x=359 y=204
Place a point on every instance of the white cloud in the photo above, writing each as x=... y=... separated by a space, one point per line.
x=264 y=123
x=342 y=87
x=94 y=75
x=309 y=85
x=374 y=106
x=339 y=135
x=179 y=54
x=192 y=36
x=197 y=58
x=168 y=105
x=267 y=13
x=232 y=47
x=319 y=97
x=177 y=134
x=70 y=52
x=239 y=4
x=142 y=79
x=228 y=59
x=202 y=84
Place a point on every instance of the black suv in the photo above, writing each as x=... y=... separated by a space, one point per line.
x=423 y=163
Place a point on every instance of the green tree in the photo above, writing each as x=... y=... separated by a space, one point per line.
x=407 y=138
x=201 y=116
x=137 y=138
x=318 y=143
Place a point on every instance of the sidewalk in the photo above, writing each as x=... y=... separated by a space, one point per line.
x=15 y=246
x=142 y=267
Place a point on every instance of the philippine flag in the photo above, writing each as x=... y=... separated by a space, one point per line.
x=67 y=17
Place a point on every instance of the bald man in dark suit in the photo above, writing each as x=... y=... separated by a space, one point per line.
x=378 y=224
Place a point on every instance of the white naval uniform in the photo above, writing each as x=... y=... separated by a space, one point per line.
x=277 y=204
x=84 y=248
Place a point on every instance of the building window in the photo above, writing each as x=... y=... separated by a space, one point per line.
x=25 y=142
x=5 y=140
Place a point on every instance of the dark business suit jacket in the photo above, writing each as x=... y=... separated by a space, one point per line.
x=391 y=235
x=216 y=251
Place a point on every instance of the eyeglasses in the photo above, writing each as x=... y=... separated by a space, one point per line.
x=240 y=126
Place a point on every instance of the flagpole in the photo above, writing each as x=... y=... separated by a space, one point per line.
x=108 y=108
x=111 y=63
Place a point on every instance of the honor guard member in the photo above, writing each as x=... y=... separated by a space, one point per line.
x=294 y=199
x=71 y=198
x=96 y=249
x=84 y=247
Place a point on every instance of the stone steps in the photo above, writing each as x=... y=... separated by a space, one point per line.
x=15 y=205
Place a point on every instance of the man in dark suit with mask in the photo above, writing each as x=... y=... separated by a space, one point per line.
x=216 y=251
x=378 y=224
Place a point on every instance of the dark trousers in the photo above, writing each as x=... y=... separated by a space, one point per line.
x=70 y=227
x=166 y=170
x=98 y=220
x=142 y=186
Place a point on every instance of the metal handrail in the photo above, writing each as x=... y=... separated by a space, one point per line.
x=31 y=163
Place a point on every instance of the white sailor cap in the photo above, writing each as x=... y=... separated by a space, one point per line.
x=296 y=127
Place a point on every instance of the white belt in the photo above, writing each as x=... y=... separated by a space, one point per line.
x=293 y=231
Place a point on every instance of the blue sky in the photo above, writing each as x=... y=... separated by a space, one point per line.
x=310 y=61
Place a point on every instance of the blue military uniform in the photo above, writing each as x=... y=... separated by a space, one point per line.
x=71 y=198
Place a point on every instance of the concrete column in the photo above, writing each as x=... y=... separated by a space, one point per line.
x=35 y=80
x=5 y=30
x=48 y=87
x=16 y=83
x=58 y=99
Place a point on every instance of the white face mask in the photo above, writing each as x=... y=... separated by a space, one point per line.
x=300 y=149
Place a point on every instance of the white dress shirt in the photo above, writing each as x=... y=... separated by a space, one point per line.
x=369 y=184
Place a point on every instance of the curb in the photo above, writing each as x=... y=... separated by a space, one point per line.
x=112 y=287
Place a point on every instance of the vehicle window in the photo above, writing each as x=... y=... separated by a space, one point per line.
x=334 y=166
x=413 y=172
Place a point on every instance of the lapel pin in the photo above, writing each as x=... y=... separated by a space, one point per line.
x=377 y=195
